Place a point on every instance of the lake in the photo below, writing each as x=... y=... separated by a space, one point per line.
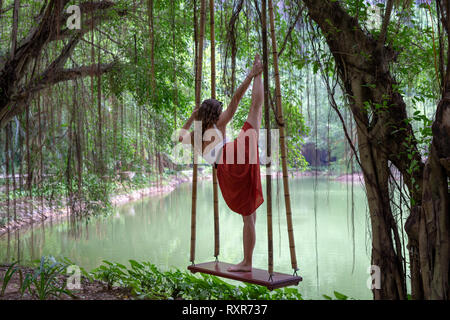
x=157 y=229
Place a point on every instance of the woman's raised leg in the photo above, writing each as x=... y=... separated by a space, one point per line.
x=255 y=113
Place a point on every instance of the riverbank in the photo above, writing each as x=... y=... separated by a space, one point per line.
x=332 y=176
x=170 y=185
x=36 y=211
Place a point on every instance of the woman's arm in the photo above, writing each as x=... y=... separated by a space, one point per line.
x=185 y=130
x=228 y=114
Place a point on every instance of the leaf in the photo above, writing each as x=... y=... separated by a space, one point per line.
x=121 y=266
x=135 y=264
x=9 y=273
x=340 y=296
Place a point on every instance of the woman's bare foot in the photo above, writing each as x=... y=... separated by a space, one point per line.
x=241 y=267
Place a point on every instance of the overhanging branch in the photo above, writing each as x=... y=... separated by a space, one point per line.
x=61 y=75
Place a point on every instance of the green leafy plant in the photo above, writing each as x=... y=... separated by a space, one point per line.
x=8 y=275
x=87 y=275
x=146 y=281
x=43 y=283
x=338 y=295
x=112 y=273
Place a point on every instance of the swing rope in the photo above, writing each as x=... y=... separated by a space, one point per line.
x=213 y=96
x=282 y=140
x=198 y=88
x=268 y=137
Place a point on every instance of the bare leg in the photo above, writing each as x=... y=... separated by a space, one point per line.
x=255 y=113
x=249 y=233
x=249 y=238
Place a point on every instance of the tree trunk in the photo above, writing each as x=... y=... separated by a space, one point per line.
x=434 y=214
x=13 y=171
x=434 y=225
x=15 y=27
x=7 y=139
x=101 y=160
x=376 y=176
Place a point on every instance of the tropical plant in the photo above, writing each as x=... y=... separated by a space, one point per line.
x=112 y=273
x=338 y=295
x=43 y=283
x=146 y=281
x=8 y=275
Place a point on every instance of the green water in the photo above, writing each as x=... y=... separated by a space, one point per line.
x=158 y=230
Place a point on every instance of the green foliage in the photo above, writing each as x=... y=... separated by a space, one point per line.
x=97 y=193
x=338 y=295
x=3 y=221
x=44 y=282
x=8 y=275
x=112 y=273
x=146 y=281
x=67 y=262
x=296 y=130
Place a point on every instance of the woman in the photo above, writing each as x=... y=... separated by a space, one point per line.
x=237 y=162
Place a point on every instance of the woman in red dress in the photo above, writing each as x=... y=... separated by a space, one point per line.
x=237 y=162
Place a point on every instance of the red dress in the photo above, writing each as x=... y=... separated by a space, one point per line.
x=239 y=175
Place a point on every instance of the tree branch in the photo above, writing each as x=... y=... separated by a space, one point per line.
x=2 y=11
x=57 y=76
x=386 y=20
x=95 y=20
x=257 y=10
x=288 y=34
x=61 y=75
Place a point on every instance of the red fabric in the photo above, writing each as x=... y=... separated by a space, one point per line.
x=241 y=183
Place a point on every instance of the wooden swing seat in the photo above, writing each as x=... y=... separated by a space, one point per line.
x=256 y=276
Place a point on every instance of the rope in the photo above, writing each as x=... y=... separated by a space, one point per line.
x=282 y=139
x=213 y=96
x=198 y=88
x=268 y=138
x=194 y=208
x=216 y=214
